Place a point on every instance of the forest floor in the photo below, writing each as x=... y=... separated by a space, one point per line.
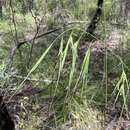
x=31 y=106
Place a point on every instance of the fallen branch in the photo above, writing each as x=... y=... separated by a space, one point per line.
x=47 y=81
x=38 y=36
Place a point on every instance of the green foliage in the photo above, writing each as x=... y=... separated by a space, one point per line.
x=61 y=62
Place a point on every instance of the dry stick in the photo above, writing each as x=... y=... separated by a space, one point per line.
x=37 y=31
x=13 y=50
x=47 y=81
x=38 y=36
x=13 y=20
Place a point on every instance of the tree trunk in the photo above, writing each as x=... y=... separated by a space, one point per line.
x=127 y=11
x=6 y=122
x=96 y=18
x=1 y=11
x=31 y=4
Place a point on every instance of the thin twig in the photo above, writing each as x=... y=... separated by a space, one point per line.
x=48 y=81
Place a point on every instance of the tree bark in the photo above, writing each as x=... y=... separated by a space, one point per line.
x=1 y=10
x=127 y=7
x=6 y=123
x=127 y=10
x=96 y=18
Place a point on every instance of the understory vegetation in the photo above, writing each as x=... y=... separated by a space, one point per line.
x=54 y=75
